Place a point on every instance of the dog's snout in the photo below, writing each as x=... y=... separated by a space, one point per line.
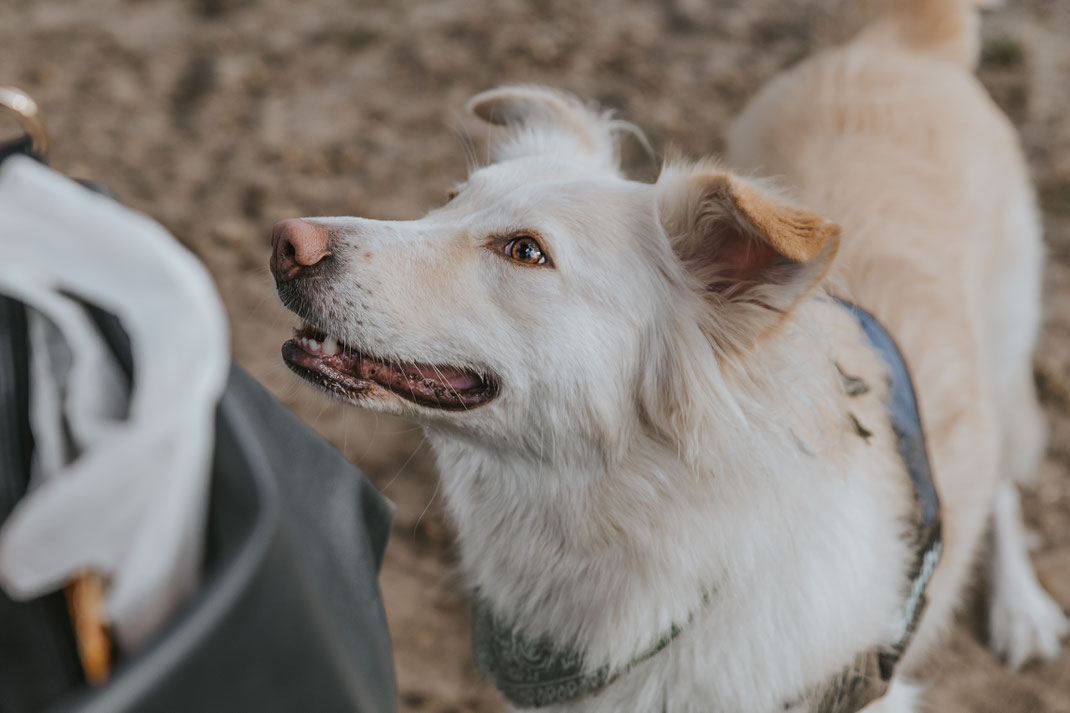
x=297 y=245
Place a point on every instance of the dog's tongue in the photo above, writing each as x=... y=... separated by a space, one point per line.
x=447 y=376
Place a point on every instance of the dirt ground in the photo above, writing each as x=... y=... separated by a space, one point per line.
x=219 y=117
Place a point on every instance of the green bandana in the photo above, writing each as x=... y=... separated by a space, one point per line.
x=532 y=673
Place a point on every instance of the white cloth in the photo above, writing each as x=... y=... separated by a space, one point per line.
x=120 y=479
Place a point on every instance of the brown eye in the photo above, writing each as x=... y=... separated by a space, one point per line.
x=525 y=249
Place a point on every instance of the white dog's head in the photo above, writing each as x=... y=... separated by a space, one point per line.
x=550 y=297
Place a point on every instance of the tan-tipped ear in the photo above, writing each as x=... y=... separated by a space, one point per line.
x=545 y=121
x=747 y=248
x=794 y=233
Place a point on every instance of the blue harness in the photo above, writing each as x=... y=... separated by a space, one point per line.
x=910 y=440
x=536 y=672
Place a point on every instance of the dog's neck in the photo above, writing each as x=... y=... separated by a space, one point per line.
x=571 y=548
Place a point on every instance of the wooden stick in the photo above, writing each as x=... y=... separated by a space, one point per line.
x=85 y=602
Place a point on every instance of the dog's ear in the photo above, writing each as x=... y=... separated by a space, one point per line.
x=751 y=253
x=543 y=121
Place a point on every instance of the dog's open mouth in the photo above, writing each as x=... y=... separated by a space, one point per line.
x=325 y=361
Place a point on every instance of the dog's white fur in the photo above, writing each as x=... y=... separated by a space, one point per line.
x=666 y=427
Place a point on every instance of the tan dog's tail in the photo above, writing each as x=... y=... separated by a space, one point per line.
x=947 y=28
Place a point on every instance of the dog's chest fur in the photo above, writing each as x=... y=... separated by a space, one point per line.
x=793 y=529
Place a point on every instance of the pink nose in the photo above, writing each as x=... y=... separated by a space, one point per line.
x=295 y=245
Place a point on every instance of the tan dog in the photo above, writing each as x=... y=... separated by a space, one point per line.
x=666 y=451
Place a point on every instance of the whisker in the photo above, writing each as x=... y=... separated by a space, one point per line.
x=323 y=409
x=404 y=465
x=345 y=430
x=368 y=441
x=438 y=484
x=459 y=400
x=402 y=432
x=468 y=146
x=407 y=381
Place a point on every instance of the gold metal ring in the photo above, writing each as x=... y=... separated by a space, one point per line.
x=25 y=111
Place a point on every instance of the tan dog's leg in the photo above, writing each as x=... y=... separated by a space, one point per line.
x=1024 y=621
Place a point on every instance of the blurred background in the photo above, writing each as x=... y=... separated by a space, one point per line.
x=220 y=117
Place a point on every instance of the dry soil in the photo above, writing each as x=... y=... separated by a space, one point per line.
x=219 y=117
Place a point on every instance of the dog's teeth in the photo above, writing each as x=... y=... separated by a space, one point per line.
x=330 y=346
x=314 y=345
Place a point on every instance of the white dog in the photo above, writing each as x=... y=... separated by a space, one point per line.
x=668 y=452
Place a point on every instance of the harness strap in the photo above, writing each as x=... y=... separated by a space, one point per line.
x=910 y=440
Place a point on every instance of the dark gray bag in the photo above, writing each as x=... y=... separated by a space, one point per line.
x=289 y=615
